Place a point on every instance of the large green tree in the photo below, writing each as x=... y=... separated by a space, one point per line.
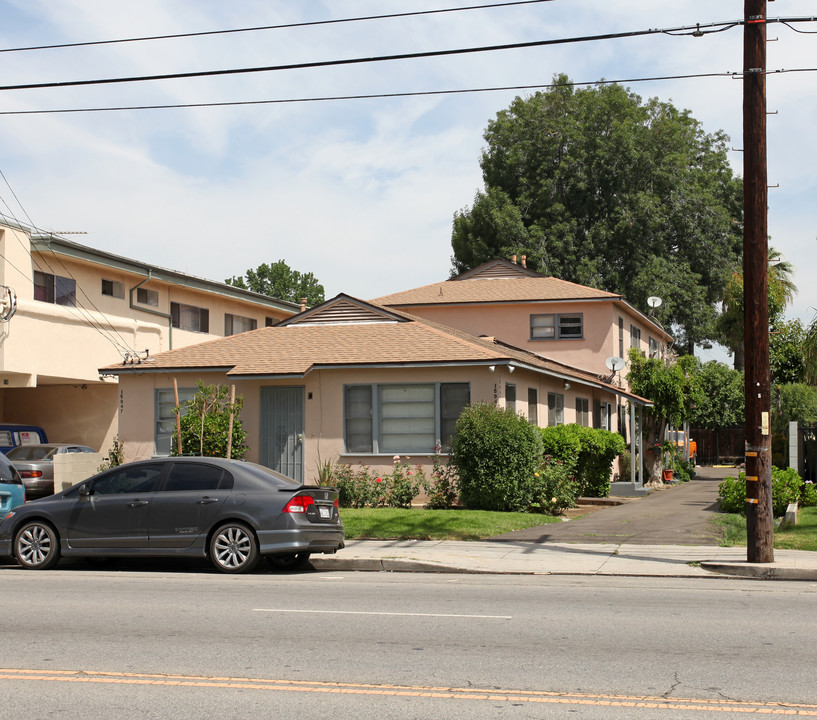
x=280 y=281
x=597 y=187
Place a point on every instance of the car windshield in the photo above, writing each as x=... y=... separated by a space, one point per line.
x=32 y=452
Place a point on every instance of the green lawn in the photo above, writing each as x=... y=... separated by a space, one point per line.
x=802 y=536
x=417 y=524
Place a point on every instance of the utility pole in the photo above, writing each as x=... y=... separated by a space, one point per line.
x=759 y=517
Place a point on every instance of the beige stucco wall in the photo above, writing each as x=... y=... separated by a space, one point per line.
x=510 y=323
x=50 y=355
x=68 y=413
x=323 y=406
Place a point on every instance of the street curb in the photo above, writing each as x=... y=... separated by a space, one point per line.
x=397 y=565
x=760 y=571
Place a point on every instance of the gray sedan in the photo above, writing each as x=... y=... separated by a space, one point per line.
x=35 y=463
x=230 y=511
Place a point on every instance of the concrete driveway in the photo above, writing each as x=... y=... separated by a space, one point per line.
x=678 y=515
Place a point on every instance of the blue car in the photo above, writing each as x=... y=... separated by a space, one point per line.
x=12 y=490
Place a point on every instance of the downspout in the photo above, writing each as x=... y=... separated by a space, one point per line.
x=166 y=316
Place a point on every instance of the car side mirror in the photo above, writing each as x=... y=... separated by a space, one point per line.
x=85 y=491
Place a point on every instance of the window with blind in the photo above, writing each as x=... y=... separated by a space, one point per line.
x=556 y=409
x=557 y=327
x=234 y=324
x=402 y=418
x=189 y=317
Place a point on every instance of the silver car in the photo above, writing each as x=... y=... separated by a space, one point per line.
x=230 y=511
x=35 y=463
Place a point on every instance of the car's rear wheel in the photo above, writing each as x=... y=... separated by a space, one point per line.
x=288 y=561
x=233 y=548
x=37 y=546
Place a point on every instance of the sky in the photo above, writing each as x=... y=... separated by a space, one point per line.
x=361 y=192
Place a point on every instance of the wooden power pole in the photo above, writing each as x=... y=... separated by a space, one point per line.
x=759 y=517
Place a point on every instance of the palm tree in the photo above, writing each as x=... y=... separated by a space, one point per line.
x=781 y=292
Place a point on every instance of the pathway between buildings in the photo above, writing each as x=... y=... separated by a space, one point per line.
x=679 y=515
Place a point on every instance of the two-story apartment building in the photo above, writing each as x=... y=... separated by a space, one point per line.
x=572 y=324
x=355 y=382
x=67 y=309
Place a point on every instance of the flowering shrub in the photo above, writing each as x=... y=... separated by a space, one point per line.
x=361 y=488
x=355 y=487
x=554 y=487
x=442 y=487
x=405 y=483
x=786 y=488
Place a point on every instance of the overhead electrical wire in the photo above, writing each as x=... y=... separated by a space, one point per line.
x=698 y=30
x=376 y=96
x=347 y=61
x=281 y=26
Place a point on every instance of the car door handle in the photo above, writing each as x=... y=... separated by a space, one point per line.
x=138 y=503
x=207 y=500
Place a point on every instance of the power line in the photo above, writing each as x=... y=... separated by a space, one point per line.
x=370 y=96
x=377 y=96
x=352 y=61
x=282 y=26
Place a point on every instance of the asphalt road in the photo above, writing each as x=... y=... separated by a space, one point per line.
x=679 y=515
x=148 y=642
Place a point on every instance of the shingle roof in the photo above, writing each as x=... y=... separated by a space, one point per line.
x=399 y=340
x=480 y=290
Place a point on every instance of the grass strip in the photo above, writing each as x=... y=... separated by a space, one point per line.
x=802 y=536
x=419 y=524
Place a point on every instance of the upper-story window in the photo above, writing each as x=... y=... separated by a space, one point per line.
x=147 y=297
x=189 y=317
x=234 y=324
x=555 y=326
x=113 y=288
x=55 y=289
x=635 y=337
x=653 y=347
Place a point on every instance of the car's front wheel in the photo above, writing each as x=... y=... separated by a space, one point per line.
x=37 y=546
x=233 y=548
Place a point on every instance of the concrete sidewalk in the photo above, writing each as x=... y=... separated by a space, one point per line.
x=526 y=558
x=668 y=533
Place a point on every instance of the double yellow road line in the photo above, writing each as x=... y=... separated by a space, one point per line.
x=420 y=691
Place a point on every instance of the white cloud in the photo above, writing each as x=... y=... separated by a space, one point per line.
x=362 y=193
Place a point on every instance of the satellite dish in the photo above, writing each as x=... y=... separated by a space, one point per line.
x=615 y=363
x=654 y=302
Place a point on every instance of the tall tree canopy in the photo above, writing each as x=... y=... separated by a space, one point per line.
x=597 y=187
x=278 y=280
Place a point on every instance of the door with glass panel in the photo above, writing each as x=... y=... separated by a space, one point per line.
x=282 y=430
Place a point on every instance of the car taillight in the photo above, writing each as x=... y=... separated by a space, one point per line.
x=30 y=473
x=299 y=504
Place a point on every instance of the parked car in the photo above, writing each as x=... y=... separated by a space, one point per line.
x=231 y=511
x=35 y=464
x=13 y=435
x=12 y=490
